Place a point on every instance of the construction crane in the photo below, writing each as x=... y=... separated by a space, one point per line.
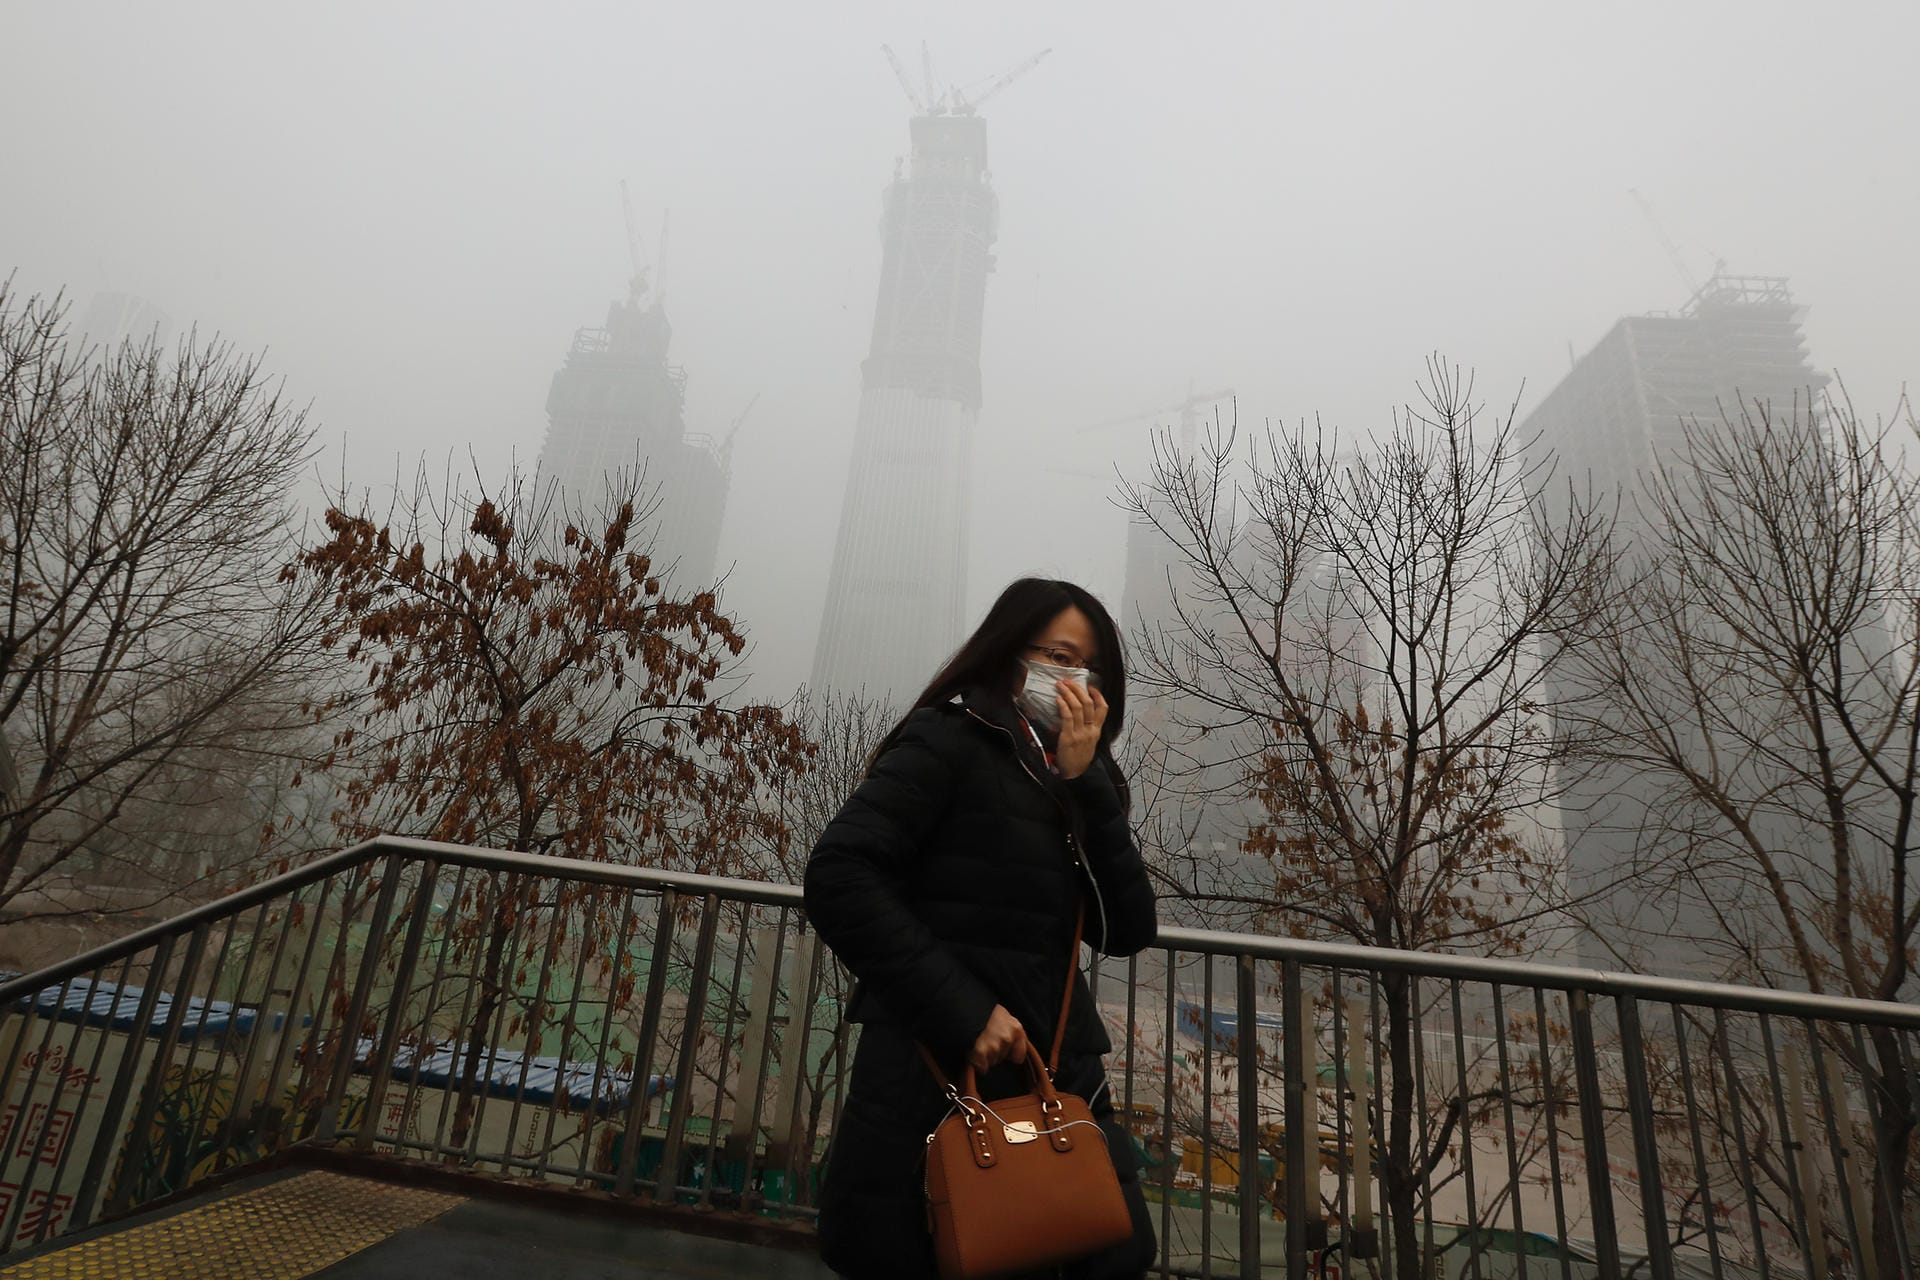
x=1188 y=409
x=928 y=101
x=922 y=105
x=726 y=445
x=636 y=257
x=965 y=106
x=637 y=282
x=1673 y=250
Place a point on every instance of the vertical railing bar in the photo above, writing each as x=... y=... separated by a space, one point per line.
x=1646 y=1139
x=750 y=1162
x=569 y=1027
x=531 y=1049
x=106 y=1136
x=398 y=1000
x=1379 y=1126
x=457 y=1045
x=667 y=1185
x=183 y=995
x=193 y=1045
x=1248 y=1048
x=726 y=1054
x=1342 y=1132
x=1911 y=1075
x=1883 y=1185
x=349 y=1034
x=1725 y=1043
x=324 y=1006
x=1416 y=1007
x=1464 y=1094
x=226 y=1036
x=1702 y=1178
x=1513 y=1142
x=511 y=956
x=1861 y=1242
x=1593 y=1133
x=597 y=1102
x=1206 y=1119
x=1167 y=1037
x=1551 y=1101
x=802 y=1080
x=643 y=1050
x=138 y=1139
x=1133 y=1036
x=427 y=1045
x=106 y=1032
x=840 y=1036
x=1301 y=1146
x=292 y=1034
x=25 y=1186
x=1810 y=1248
x=250 y=1054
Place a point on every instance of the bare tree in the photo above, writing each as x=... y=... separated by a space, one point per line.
x=536 y=683
x=1761 y=682
x=147 y=650
x=1365 y=627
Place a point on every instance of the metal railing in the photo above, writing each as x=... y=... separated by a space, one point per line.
x=1294 y=1108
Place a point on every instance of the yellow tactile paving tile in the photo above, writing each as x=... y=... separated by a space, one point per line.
x=286 y=1229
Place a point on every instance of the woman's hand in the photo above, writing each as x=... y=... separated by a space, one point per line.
x=1002 y=1040
x=1082 y=712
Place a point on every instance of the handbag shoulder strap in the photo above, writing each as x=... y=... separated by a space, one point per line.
x=1060 y=1024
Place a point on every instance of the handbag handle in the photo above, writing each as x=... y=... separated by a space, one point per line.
x=1043 y=1077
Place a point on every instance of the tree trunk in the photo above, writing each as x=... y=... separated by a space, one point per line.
x=492 y=991
x=1399 y=1171
x=1892 y=1142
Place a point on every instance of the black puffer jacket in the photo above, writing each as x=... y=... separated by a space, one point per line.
x=949 y=882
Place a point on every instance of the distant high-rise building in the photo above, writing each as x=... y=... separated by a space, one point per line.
x=1620 y=412
x=615 y=409
x=113 y=318
x=896 y=595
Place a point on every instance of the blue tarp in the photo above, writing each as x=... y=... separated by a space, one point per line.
x=499 y=1075
x=1224 y=1023
x=95 y=1003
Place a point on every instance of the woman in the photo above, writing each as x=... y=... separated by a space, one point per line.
x=950 y=884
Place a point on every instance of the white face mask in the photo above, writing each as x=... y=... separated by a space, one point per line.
x=1039 y=697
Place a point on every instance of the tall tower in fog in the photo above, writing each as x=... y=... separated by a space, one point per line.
x=896 y=595
x=1617 y=415
x=614 y=412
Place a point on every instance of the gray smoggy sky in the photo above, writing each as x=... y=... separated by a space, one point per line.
x=414 y=206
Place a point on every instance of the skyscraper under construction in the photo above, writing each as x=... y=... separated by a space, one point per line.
x=1620 y=413
x=614 y=411
x=896 y=595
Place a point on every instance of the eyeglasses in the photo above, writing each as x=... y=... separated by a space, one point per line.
x=1057 y=656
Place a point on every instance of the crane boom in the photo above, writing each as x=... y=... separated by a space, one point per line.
x=965 y=107
x=900 y=74
x=1184 y=408
x=636 y=283
x=1666 y=242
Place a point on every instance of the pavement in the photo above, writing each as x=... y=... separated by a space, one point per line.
x=296 y=1223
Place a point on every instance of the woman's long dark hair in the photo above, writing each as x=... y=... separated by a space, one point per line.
x=990 y=659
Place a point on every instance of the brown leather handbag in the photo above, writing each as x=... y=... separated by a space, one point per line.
x=1022 y=1182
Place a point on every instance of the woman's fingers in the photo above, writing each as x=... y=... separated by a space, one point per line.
x=1002 y=1038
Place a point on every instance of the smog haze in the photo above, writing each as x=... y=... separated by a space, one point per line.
x=411 y=209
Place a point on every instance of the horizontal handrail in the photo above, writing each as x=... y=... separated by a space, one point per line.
x=1203 y=941
x=388 y=1017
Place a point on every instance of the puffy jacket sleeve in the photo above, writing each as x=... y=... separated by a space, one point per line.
x=857 y=882
x=1114 y=858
